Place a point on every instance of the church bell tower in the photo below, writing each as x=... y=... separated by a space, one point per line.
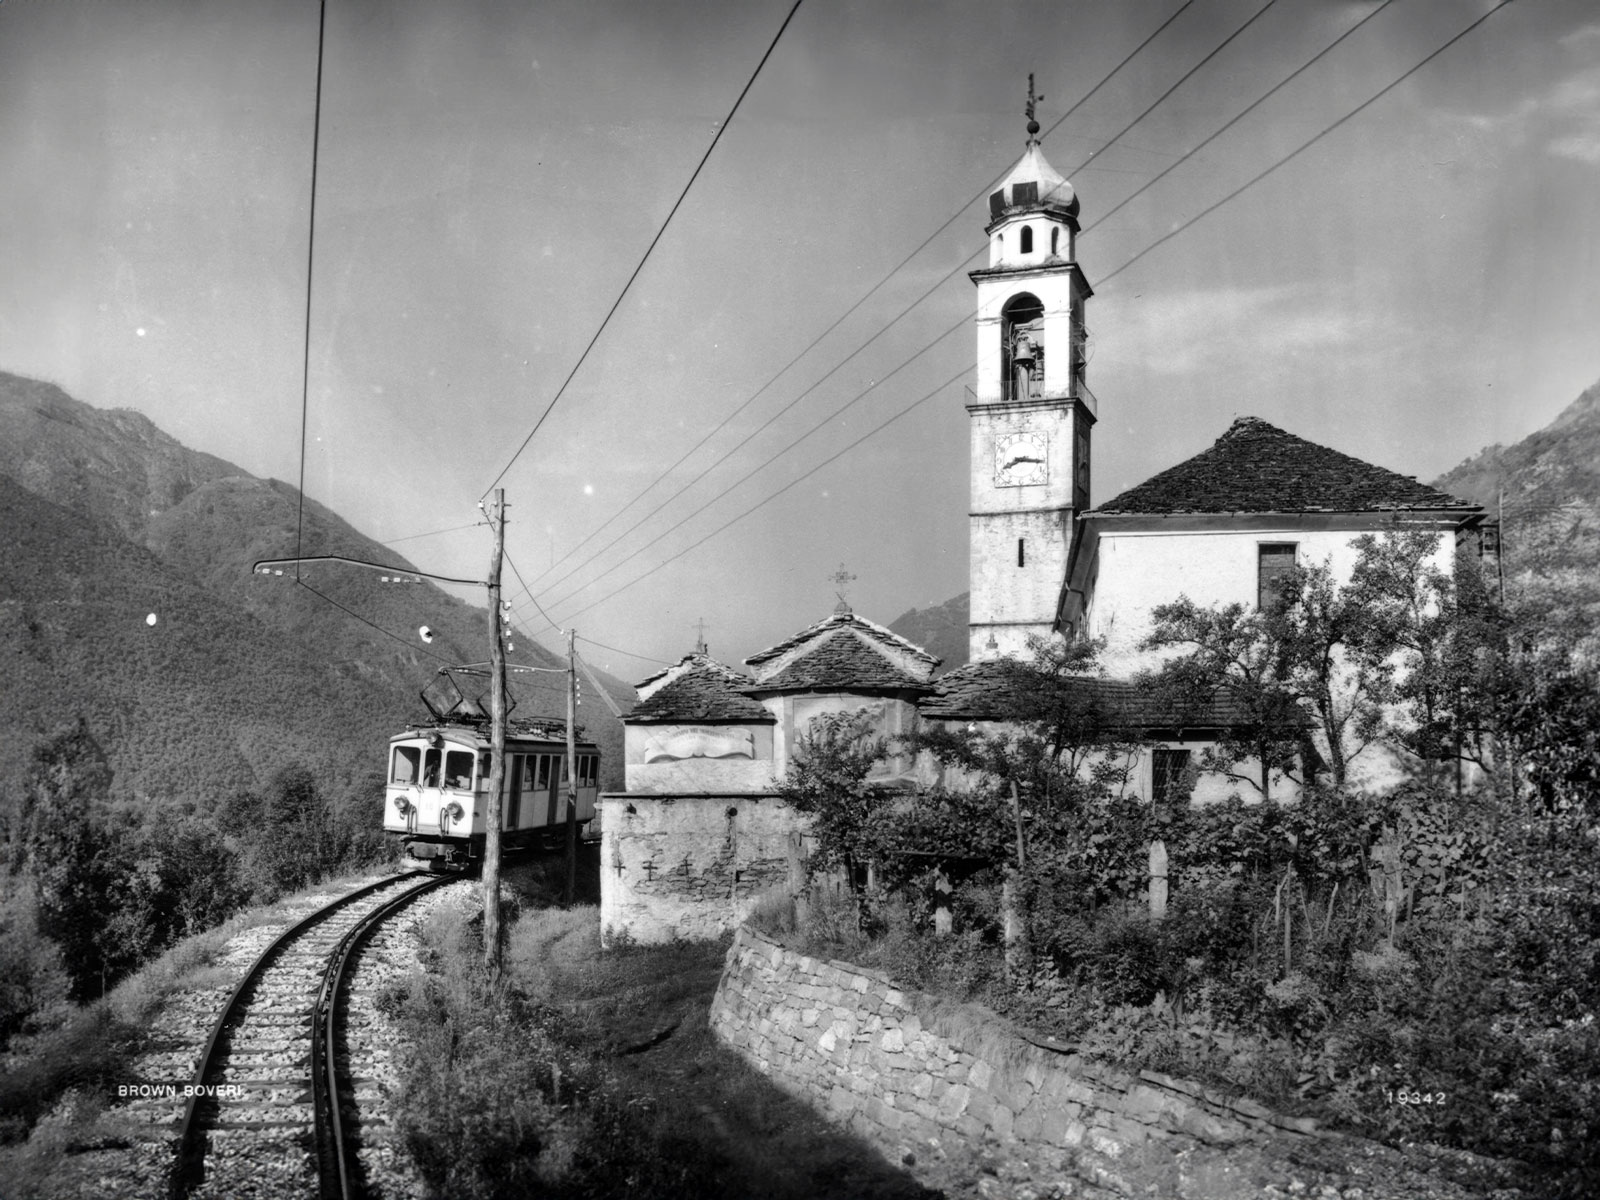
x=1033 y=411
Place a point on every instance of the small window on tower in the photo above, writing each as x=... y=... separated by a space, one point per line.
x=1055 y=241
x=1027 y=239
x=1025 y=193
x=1022 y=553
x=1274 y=560
x=997 y=202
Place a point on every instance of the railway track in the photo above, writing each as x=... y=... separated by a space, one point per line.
x=269 y=1110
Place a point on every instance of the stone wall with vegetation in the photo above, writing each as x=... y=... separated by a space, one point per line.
x=901 y=1069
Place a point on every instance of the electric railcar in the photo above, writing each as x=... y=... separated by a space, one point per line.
x=437 y=795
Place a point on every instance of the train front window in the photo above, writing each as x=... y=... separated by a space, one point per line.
x=458 y=769
x=407 y=766
x=430 y=768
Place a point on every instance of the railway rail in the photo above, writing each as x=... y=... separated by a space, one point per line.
x=267 y=1110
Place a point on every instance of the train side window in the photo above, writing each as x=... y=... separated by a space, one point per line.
x=407 y=764
x=586 y=770
x=430 y=768
x=485 y=767
x=529 y=762
x=458 y=769
x=543 y=777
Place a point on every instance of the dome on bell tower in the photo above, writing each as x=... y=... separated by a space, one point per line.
x=1032 y=186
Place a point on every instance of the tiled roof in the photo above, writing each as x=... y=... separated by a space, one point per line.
x=841 y=660
x=1257 y=468
x=702 y=690
x=991 y=690
x=845 y=619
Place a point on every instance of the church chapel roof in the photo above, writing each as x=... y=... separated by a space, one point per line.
x=843 y=653
x=1257 y=468
x=987 y=691
x=702 y=690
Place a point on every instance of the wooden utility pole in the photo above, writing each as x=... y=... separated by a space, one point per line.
x=497 y=745
x=569 y=893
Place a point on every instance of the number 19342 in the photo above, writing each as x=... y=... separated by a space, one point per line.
x=1402 y=1096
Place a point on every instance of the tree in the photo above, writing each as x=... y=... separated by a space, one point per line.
x=63 y=848
x=828 y=779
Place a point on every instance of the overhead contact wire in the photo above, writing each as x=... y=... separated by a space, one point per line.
x=1159 y=100
x=721 y=129
x=865 y=296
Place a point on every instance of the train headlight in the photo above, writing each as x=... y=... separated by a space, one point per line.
x=452 y=811
x=402 y=806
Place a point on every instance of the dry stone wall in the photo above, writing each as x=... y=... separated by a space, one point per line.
x=910 y=1074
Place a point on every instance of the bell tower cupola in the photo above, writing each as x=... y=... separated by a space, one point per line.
x=1032 y=411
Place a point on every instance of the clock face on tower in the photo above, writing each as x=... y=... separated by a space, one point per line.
x=1021 y=458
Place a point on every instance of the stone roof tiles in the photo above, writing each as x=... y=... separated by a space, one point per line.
x=1255 y=467
x=696 y=689
x=989 y=691
x=841 y=660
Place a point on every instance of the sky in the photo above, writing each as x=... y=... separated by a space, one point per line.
x=1420 y=282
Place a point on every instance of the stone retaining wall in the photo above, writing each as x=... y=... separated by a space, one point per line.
x=846 y=1039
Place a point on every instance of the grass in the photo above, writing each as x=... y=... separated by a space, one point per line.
x=590 y=1073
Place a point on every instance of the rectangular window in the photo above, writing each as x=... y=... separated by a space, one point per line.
x=430 y=768
x=588 y=768
x=1025 y=193
x=1168 y=776
x=1274 y=560
x=407 y=764
x=1022 y=556
x=458 y=770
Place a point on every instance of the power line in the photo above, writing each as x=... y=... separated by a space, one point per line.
x=311 y=241
x=865 y=296
x=626 y=653
x=963 y=323
x=1184 y=78
x=406 y=642
x=432 y=533
x=1165 y=238
x=1376 y=96
x=721 y=129
x=917 y=403
x=1244 y=112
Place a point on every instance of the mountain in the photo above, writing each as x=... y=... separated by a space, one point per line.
x=940 y=630
x=110 y=520
x=1547 y=490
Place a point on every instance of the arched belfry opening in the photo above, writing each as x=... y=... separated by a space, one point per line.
x=1022 y=348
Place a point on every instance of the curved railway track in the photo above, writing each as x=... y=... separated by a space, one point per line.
x=267 y=1112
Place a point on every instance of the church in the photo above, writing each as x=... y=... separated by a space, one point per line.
x=700 y=832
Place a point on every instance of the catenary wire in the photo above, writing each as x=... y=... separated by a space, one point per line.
x=1162 y=98
x=1167 y=237
x=721 y=129
x=865 y=296
x=404 y=641
x=311 y=239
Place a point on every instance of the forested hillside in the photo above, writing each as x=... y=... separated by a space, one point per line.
x=111 y=520
x=1548 y=488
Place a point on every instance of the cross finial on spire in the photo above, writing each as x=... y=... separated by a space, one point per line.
x=840 y=578
x=1033 y=123
x=700 y=646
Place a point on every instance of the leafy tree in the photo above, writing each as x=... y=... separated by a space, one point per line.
x=828 y=779
x=1391 y=654
x=63 y=849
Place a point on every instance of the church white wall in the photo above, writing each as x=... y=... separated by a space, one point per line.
x=1141 y=570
